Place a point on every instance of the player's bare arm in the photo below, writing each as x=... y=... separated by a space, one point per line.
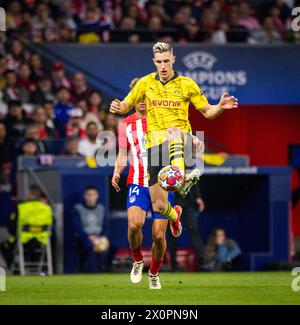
x=198 y=147
x=213 y=111
x=120 y=165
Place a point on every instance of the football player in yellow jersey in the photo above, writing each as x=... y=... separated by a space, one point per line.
x=167 y=97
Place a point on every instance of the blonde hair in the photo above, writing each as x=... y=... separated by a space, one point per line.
x=133 y=82
x=161 y=47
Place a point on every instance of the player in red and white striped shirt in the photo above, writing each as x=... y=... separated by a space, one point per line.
x=131 y=139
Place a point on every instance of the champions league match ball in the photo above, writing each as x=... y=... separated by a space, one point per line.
x=170 y=178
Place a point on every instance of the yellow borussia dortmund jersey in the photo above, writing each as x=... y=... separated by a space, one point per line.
x=167 y=104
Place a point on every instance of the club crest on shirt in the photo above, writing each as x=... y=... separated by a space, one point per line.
x=177 y=91
x=132 y=198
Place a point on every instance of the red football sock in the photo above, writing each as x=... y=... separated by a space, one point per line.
x=155 y=266
x=136 y=254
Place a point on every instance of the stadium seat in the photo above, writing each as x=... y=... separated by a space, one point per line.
x=31 y=258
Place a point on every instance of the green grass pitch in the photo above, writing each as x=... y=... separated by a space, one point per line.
x=178 y=289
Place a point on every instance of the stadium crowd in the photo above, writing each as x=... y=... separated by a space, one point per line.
x=208 y=21
x=40 y=102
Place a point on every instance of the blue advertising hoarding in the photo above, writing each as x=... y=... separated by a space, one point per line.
x=257 y=75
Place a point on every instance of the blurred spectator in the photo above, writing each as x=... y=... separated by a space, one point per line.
x=59 y=77
x=182 y=16
x=127 y=23
x=37 y=70
x=25 y=31
x=63 y=105
x=6 y=146
x=216 y=7
x=93 y=21
x=278 y=22
x=29 y=147
x=154 y=8
x=284 y=6
x=191 y=32
x=111 y=123
x=32 y=132
x=127 y=26
x=209 y=21
x=71 y=147
x=220 y=36
x=246 y=18
x=12 y=91
x=89 y=146
x=64 y=34
x=15 y=55
x=79 y=88
x=14 y=15
x=3 y=45
x=40 y=119
x=133 y=11
x=41 y=22
x=268 y=35
x=220 y=252
x=87 y=116
x=16 y=121
x=134 y=38
x=95 y=102
x=78 y=7
x=52 y=122
x=154 y=23
x=24 y=80
x=43 y=91
x=3 y=67
x=108 y=137
x=237 y=33
x=74 y=125
x=66 y=11
x=91 y=230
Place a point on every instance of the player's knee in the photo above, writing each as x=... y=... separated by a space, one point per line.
x=159 y=206
x=158 y=237
x=135 y=229
x=174 y=133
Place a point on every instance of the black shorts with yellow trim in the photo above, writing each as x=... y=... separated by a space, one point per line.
x=158 y=157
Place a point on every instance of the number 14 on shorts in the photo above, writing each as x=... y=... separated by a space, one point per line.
x=134 y=190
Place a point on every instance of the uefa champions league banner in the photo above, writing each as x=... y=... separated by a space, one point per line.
x=256 y=75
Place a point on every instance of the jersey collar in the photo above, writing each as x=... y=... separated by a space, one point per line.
x=164 y=83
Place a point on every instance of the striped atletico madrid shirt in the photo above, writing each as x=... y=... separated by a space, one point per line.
x=131 y=136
